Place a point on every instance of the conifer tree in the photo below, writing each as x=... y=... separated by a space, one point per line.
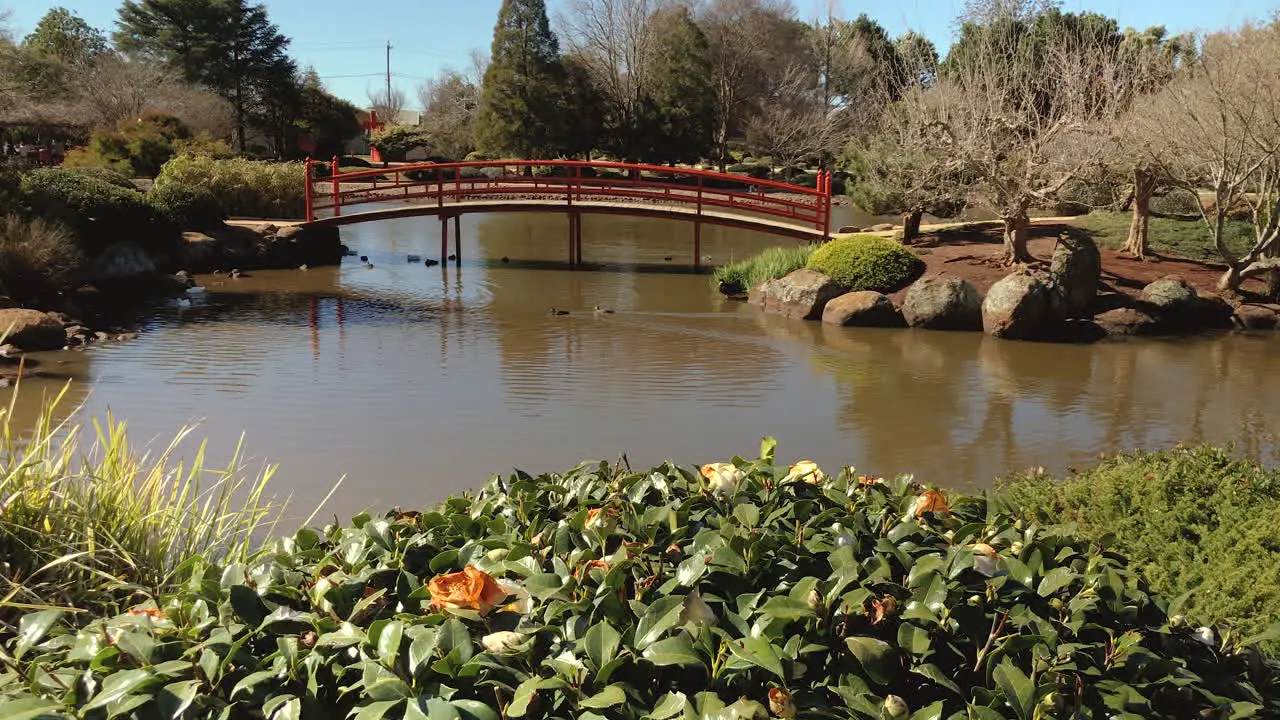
x=520 y=109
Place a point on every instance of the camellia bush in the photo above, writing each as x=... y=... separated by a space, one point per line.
x=745 y=590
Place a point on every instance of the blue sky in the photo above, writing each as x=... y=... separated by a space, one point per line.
x=345 y=39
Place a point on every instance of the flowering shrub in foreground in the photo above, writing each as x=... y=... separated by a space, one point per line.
x=745 y=590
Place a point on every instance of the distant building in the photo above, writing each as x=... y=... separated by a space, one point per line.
x=368 y=120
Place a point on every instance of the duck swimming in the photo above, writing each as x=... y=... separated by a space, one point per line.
x=430 y=263
x=602 y=310
x=558 y=312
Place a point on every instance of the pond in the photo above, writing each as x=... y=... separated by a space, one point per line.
x=415 y=382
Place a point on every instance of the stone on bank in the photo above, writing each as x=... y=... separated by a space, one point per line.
x=31 y=330
x=863 y=308
x=803 y=294
x=1022 y=306
x=943 y=303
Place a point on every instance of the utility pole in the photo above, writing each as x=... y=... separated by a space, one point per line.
x=388 y=95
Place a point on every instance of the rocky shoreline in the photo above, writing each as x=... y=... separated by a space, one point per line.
x=125 y=279
x=1061 y=302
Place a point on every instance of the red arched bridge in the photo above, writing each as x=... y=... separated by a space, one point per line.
x=573 y=187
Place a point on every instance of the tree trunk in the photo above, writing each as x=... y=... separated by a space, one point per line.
x=911 y=224
x=1015 y=238
x=1231 y=279
x=1144 y=184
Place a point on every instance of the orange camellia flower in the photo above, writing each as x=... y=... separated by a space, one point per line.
x=153 y=613
x=930 y=501
x=781 y=704
x=470 y=589
x=585 y=568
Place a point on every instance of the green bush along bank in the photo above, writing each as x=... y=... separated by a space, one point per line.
x=245 y=188
x=867 y=262
x=747 y=589
x=1191 y=520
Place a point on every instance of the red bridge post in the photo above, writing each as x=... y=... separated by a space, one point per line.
x=306 y=170
x=337 y=196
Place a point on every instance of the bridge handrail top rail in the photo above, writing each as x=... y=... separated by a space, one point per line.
x=605 y=164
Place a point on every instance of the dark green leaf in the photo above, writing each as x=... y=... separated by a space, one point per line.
x=32 y=628
x=1018 y=689
x=117 y=686
x=672 y=651
x=32 y=709
x=602 y=644
x=607 y=698
x=875 y=655
x=1055 y=580
x=661 y=615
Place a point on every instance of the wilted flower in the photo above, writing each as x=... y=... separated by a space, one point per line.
x=929 y=501
x=868 y=480
x=502 y=642
x=781 y=704
x=813 y=599
x=153 y=613
x=471 y=589
x=882 y=608
x=696 y=610
x=806 y=470
x=723 y=478
x=1206 y=636
x=523 y=602
x=584 y=570
x=602 y=520
x=895 y=707
x=1016 y=548
x=985 y=559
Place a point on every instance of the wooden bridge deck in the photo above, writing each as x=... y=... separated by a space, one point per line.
x=742 y=220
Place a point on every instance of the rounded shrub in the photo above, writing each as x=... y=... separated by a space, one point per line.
x=98 y=211
x=106 y=174
x=757 y=171
x=37 y=257
x=743 y=589
x=245 y=188
x=188 y=206
x=867 y=262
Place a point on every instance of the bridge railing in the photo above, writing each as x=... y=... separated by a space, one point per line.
x=569 y=181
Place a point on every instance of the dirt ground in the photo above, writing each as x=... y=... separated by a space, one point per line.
x=972 y=253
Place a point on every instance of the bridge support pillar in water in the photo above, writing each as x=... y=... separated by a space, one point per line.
x=697 y=245
x=575 y=239
x=444 y=240
x=457 y=240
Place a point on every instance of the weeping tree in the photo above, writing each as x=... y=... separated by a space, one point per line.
x=1215 y=135
x=1015 y=107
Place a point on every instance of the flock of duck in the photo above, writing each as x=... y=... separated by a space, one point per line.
x=597 y=310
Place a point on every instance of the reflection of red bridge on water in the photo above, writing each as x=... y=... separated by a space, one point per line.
x=449 y=190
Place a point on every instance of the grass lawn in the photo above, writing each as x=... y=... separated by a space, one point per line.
x=1176 y=238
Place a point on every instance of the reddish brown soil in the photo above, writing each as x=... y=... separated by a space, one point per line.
x=973 y=254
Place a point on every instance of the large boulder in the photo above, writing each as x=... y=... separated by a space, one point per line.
x=1257 y=317
x=1022 y=307
x=199 y=253
x=121 y=261
x=1126 y=321
x=31 y=330
x=294 y=245
x=943 y=303
x=1076 y=268
x=802 y=294
x=1179 y=308
x=865 y=308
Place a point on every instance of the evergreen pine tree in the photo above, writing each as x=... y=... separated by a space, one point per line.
x=521 y=109
x=683 y=103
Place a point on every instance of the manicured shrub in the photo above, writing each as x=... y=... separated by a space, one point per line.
x=37 y=258
x=745 y=590
x=771 y=264
x=1191 y=520
x=395 y=141
x=136 y=148
x=867 y=262
x=106 y=175
x=187 y=206
x=1176 y=202
x=759 y=172
x=245 y=188
x=99 y=212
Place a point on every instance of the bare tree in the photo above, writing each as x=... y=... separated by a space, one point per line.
x=987 y=11
x=793 y=122
x=1216 y=136
x=747 y=37
x=615 y=42
x=387 y=105
x=450 y=102
x=1019 y=125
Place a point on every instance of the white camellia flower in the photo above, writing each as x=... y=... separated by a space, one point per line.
x=697 y=611
x=523 y=602
x=985 y=559
x=722 y=478
x=1206 y=636
x=501 y=642
x=806 y=471
x=895 y=707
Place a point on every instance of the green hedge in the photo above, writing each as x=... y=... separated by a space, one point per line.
x=745 y=590
x=867 y=262
x=245 y=188
x=188 y=206
x=1191 y=519
x=100 y=213
x=759 y=172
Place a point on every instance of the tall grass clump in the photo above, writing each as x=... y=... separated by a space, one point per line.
x=771 y=264
x=91 y=523
x=245 y=188
x=37 y=258
x=1191 y=520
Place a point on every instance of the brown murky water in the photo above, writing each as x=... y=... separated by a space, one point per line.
x=415 y=382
